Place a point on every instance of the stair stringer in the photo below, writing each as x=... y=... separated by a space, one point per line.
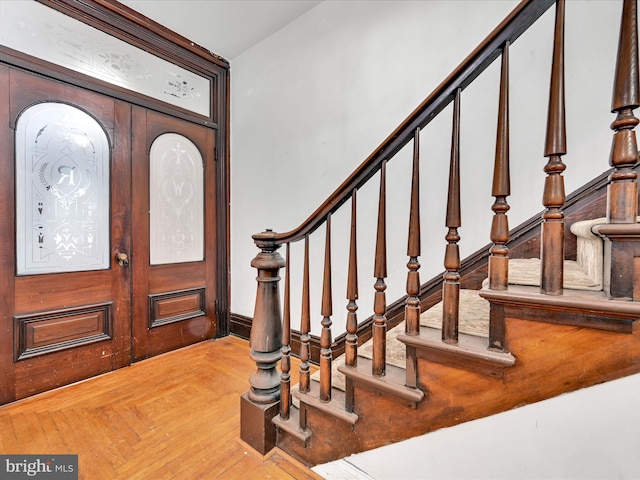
x=552 y=359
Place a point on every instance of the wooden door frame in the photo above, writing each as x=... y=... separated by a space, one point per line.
x=128 y=25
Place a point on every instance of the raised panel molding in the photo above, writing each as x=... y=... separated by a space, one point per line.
x=52 y=331
x=176 y=306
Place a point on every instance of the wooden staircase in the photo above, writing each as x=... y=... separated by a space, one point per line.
x=539 y=338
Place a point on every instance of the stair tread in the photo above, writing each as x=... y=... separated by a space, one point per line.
x=292 y=425
x=392 y=382
x=578 y=299
x=526 y=271
x=474 y=320
x=468 y=346
x=335 y=406
x=473 y=315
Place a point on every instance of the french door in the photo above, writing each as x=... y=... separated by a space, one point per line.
x=107 y=236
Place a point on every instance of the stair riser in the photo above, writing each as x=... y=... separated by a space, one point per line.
x=551 y=360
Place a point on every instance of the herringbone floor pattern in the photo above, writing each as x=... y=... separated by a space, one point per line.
x=174 y=416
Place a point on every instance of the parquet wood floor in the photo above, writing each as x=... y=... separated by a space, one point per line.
x=174 y=416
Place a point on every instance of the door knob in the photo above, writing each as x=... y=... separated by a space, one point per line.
x=122 y=259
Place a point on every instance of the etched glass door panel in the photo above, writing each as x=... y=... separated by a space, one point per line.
x=62 y=191
x=176 y=197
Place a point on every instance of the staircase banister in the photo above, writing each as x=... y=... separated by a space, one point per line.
x=516 y=23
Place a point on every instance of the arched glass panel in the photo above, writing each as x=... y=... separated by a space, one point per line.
x=62 y=191
x=176 y=196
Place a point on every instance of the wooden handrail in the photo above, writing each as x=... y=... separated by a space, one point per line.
x=517 y=22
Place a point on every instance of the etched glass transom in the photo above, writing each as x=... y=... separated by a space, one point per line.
x=62 y=191
x=176 y=196
x=45 y=33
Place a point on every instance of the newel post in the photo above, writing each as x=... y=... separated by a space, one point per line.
x=621 y=233
x=262 y=402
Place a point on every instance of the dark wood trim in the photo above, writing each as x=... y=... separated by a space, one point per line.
x=100 y=13
x=7 y=262
x=240 y=325
x=223 y=210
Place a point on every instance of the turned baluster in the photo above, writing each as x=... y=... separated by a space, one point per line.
x=623 y=189
x=552 y=251
x=327 y=311
x=379 y=328
x=412 y=306
x=305 y=324
x=351 y=341
x=451 y=284
x=501 y=188
x=285 y=364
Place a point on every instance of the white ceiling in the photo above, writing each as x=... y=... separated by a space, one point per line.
x=224 y=27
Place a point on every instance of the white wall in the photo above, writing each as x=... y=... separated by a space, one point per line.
x=588 y=434
x=312 y=101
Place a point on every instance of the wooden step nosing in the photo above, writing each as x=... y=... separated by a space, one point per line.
x=629 y=230
x=569 y=300
x=470 y=352
x=292 y=425
x=386 y=383
x=334 y=407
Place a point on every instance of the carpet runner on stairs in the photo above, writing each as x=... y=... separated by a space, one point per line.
x=474 y=310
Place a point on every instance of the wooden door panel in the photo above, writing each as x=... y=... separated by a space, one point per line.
x=65 y=327
x=174 y=304
x=188 y=275
x=56 y=291
x=37 y=375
